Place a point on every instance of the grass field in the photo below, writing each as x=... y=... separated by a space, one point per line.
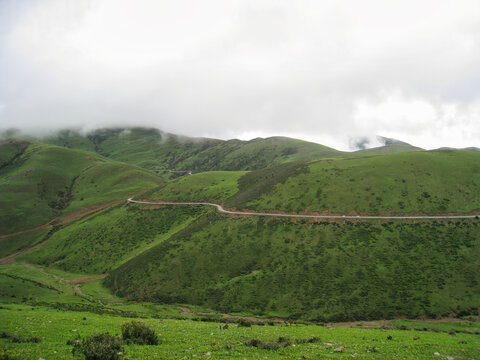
x=188 y=339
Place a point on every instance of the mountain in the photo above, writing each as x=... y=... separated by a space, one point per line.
x=154 y=149
x=475 y=149
x=323 y=271
x=64 y=208
x=320 y=271
x=42 y=185
x=412 y=182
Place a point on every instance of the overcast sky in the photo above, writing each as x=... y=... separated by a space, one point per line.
x=324 y=71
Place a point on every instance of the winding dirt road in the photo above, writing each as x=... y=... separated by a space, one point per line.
x=301 y=216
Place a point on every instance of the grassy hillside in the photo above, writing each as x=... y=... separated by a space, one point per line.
x=38 y=186
x=195 y=339
x=151 y=148
x=206 y=186
x=257 y=154
x=388 y=149
x=101 y=241
x=41 y=183
x=315 y=271
x=428 y=182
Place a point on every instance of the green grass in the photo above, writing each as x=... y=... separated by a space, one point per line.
x=193 y=339
x=315 y=271
x=460 y=326
x=34 y=192
x=111 y=181
x=207 y=186
x=99 y=242
x=46 y=182
x=428 y=182
x=22 y=284
x=14 y=243
x=392 y=148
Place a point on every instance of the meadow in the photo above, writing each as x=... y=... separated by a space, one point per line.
x=188 y=339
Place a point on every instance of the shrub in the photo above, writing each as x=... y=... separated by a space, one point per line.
x=262 y=345
x=99 y=347
x=244 y=322
x=138 y=333
x=20 y=339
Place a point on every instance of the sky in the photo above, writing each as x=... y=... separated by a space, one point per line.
x=324 y=71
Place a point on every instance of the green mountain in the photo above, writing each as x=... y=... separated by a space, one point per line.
x=43 y=185
x=154 y=149
x=317 y=271
x=475 y=149
x=71 y=201
x=414 y=182
x=324 y=271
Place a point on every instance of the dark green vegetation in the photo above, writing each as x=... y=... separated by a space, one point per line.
x=136 y=332
x=314 y=271
x=99 y=242
x=99 y=347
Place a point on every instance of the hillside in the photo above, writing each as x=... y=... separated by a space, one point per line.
x=399 y=183
x=299 y=269
x=415 y=182
x=322 y=271
x=40 y=183
x=154 y=149
x=314 y=271
x=387 y=149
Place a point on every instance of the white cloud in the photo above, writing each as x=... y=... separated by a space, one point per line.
x=325 y=70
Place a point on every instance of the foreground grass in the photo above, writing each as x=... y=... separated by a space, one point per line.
x=192 y=339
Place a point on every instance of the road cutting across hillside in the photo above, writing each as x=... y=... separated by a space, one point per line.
x=306 y=216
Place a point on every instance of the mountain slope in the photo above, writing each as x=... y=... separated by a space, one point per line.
x=151 y=148
x=428 y=182
x=314 y=271
x=387 y=149
x=44 y=182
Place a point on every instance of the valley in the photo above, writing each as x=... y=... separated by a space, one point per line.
x=273 y=237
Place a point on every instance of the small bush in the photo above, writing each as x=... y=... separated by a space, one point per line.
x=74 y=341
x=19 y=339
x=138 y=333
x=99 y=347
x=244 y=322
x=262 y=345
x=284 y=341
